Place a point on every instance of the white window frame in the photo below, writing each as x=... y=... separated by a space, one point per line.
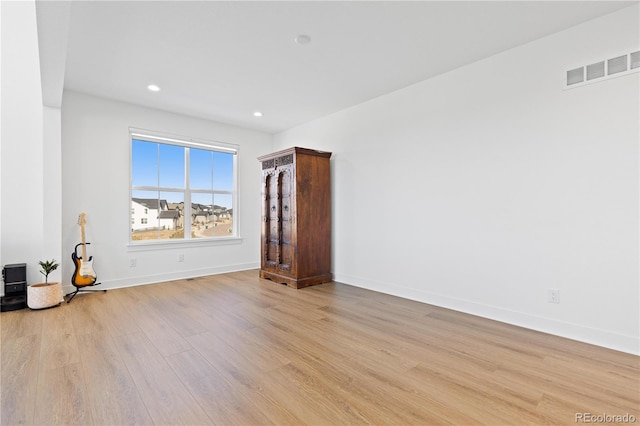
x=186 y=142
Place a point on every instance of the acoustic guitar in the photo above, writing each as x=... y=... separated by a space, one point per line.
x=84 y=275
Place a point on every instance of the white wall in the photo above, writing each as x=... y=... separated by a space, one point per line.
x=1 y=116
x=23 y=238
x=482 y=188
x=52 y=189
x=95 y=164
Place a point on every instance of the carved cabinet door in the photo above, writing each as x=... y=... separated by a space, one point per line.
x=278 y=250
x=285 y=178
x=270 y=239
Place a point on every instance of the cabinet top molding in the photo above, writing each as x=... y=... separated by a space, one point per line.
x=296 y=150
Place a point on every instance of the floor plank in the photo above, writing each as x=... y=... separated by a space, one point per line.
x=19 y=375
x=113 y=396
x=164 y=395
x=62 y=397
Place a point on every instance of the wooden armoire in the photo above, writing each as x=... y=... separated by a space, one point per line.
x=296 y=217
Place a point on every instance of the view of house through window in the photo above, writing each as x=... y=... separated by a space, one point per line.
x=181 y=190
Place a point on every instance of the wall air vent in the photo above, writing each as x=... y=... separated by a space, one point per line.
x=602 y=70
x=635 y=60
x=617 y=65
x=595 y=70
x=575 y=76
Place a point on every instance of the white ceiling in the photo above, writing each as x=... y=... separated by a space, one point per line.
x=223 y=60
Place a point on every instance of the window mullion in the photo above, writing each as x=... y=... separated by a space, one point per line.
x=187 y=197
x=234 y=195
x=158 y=186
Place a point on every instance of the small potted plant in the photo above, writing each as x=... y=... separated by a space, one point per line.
x=46 y=294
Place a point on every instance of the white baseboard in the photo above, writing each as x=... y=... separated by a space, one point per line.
x=604 y=338
x=157 y=278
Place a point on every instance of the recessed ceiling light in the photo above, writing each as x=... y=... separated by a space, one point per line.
x=153 y=88
x=257 y=114
x=302 y=39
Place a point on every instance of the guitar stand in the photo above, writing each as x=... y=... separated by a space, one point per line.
x=82 y=288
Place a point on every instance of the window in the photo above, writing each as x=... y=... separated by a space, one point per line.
x=182 y=189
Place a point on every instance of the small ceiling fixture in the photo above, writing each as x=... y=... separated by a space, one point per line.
x=257 y=114
x=153 y=88
x=302 y=39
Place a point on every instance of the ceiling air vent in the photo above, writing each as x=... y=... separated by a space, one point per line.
x=603 y=70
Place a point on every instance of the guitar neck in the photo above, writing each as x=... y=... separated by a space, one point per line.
x=84 y=246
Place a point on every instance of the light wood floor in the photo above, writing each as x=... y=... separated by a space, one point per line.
x=234 y=349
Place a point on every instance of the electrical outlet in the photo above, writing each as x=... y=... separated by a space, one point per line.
x=554 y=295
x=132 y=262
x=181 y=257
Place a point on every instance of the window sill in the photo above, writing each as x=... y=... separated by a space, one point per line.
x=169 y=244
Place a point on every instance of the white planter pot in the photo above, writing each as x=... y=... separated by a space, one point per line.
x=41 y=296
